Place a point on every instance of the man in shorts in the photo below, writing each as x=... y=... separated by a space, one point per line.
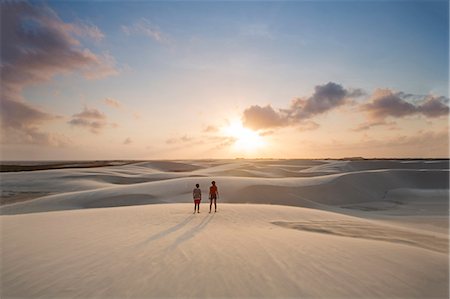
x=213 y=194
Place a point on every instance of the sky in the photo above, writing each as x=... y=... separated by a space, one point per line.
x=224 y=79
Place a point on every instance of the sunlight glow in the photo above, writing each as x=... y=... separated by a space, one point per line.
x=245 y=139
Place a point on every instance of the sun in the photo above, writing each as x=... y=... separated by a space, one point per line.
x=245 y=139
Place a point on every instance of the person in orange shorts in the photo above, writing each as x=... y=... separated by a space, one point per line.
x=213 y=195
x=197 y=195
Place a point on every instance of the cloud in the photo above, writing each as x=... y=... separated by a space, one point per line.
x=92 y=119
x=434 y=107
x=35 y=46
x=104 y=66
x=112 y=103
x=33 y=135
x=422 y=138
x=90 y=114
x=211 y=129
x=266 y=133
x=383 y=103
x=367 y=125
x=216 y=142
x=421 y=144
x=257 y=117
x=144 y=27
x=224 y=142
x=325 y=98
x=209 y=142
x=89 y=30
x=93 y=126
x=182 y=139
x=127 y=141
x=387 y=103
x=20 y=124
x=308 y=125
x=17 y=114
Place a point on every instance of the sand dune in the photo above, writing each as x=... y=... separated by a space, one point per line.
x=74 y=189
x=164 y=251
x=348 y=229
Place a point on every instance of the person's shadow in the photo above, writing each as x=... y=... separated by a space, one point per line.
x=166 y=232
x=190 y=233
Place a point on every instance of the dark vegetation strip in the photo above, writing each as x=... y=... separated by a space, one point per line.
x=84 y=164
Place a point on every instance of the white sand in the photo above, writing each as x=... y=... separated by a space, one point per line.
x=377 y=229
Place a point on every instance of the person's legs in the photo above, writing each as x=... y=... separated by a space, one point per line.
x=195 y=206
x=210 y=204
x=215 y=204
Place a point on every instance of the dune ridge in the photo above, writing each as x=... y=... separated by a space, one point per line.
x=73 y=189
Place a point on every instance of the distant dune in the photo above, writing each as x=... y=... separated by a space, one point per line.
x=284 y=228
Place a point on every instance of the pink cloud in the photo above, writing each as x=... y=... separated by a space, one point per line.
x=146 y=28
x=112 y=103
x=37 y=45
x=387 y=103
x=325 y=98
x=92 y=119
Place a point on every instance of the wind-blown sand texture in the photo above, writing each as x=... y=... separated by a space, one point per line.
x=284 y=229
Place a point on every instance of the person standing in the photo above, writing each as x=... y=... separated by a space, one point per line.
x=197 y=195
x=213 y=194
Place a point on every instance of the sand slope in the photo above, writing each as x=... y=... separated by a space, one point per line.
x=242 y=251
